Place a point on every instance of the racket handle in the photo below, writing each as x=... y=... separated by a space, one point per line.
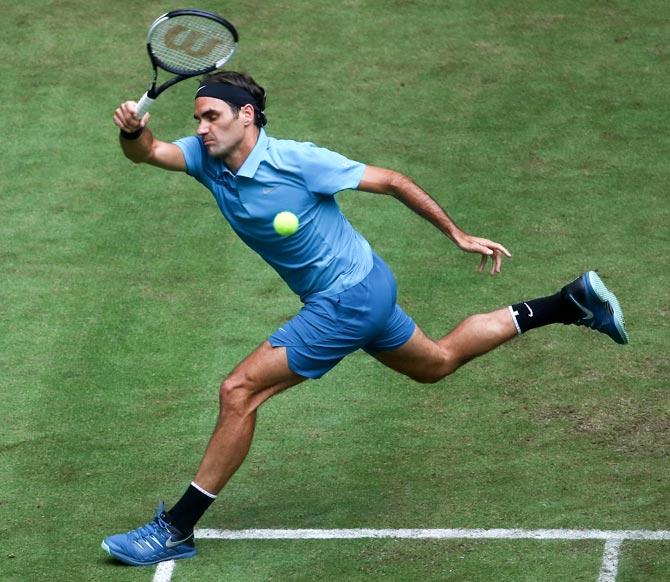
x=144 y=105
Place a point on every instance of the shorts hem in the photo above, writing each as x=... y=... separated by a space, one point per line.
x=292 y=365
x=396 y=345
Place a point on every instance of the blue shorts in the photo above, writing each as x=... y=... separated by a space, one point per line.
x=330 y=327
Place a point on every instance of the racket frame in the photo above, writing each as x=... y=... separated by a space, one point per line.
x=153 y=92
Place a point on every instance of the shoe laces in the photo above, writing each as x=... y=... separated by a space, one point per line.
x=157 y=526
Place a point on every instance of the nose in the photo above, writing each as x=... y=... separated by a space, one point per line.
x=203 y=127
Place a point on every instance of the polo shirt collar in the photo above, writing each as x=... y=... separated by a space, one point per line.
x=255 y=157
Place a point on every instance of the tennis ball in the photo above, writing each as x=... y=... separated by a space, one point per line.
x=286 y=223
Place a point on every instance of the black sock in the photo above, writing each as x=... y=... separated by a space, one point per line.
x=543 y=311
x=189 y=509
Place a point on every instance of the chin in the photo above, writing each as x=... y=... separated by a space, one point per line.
x=214 y=151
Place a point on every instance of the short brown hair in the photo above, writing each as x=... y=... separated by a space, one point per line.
x=246 y=82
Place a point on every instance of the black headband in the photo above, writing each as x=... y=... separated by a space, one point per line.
x=230 y=93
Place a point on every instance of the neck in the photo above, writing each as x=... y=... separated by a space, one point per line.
x=238 y=156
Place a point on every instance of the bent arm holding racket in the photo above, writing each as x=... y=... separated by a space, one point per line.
x=139 y=144
x=185 y=43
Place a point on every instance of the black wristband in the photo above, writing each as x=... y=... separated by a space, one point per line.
x=132 y=135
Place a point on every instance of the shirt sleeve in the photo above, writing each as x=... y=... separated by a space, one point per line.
x=327 y=172
x=192 y=148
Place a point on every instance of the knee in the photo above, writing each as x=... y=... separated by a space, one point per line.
x=235 y=395
x=437 y=370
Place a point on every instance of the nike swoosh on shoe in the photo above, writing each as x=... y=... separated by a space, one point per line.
x=170 y=543
x=588 y=314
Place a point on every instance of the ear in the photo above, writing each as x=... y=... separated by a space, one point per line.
x=248 y=114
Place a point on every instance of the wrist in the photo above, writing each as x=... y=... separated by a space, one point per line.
x=131 y=135
x=456 y=235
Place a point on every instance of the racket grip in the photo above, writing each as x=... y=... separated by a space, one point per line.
x=144 y=105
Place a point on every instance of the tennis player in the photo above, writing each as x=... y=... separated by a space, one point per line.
x=348 y=292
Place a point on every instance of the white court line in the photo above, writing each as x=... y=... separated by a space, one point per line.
x=608 y=570
x=610 y=564
x=492 y=534
x=164 y=571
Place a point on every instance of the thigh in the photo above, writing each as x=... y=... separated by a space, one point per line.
x=265 y=369
x=420 y=358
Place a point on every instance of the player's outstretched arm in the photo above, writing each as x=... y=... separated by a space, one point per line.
x=145 y=148
x=384 y=181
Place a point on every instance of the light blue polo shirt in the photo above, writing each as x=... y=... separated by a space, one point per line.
x=326 y=255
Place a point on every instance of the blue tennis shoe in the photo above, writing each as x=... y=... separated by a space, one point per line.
x=154 y=542
x=599 y=307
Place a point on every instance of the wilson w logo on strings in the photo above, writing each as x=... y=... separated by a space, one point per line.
x=192 y=42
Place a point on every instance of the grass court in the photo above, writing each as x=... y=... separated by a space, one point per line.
x=125 y=297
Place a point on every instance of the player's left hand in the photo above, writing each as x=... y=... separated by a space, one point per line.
x=487 y=248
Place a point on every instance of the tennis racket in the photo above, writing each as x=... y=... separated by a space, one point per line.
x=186 y=43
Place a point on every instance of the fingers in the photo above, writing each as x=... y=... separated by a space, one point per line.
x=502 y=249
x=125 y=119
x=494 y=250
x=496 y=263
x=494 y=247
x=482 y=264
x=487 y=248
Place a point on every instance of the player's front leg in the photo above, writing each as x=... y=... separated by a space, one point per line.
x=169 y=536
x=264 y=373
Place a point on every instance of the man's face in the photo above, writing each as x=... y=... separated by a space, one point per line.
x=222 y=131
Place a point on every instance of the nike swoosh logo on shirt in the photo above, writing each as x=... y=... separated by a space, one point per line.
x=588 y=314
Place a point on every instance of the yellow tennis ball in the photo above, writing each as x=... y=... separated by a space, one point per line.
x=286 y=223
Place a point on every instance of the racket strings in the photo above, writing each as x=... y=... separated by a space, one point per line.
x=188 y=43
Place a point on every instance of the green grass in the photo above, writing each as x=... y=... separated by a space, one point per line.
x=519 y=561
x=126 y=298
